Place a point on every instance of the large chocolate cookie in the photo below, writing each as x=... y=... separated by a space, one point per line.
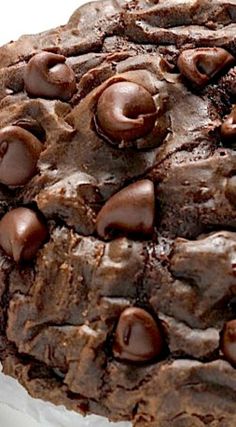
x=118 y=212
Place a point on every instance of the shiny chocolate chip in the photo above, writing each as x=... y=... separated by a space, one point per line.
x=19 y=153
x=138 y=337
x=126 y=111
x=228 y=341
x=131 y=210
x=22 y=233
x=228 y=128
x=48 y=76
x=202 y=64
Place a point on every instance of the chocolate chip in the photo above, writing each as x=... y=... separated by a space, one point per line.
x=228 y=128
x=126 y=111
x=48 y=76
x=22 y=232
x=228 y=341
x=202 y=64
x=131 y=210
x=137 y=337
x=19 y=153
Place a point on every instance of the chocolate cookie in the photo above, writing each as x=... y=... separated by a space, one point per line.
x=118 y=212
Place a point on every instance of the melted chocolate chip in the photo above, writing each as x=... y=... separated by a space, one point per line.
x=228 y=341
x=126 y=111
x=48 y=76
x=137 y=337
x=19 y=153
x=22 y=232
x=129 y=211
x=228 y=128
x=202 y=64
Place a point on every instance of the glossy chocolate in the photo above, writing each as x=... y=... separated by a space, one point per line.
x=137 y=337
x=228 y=341
x=19 y=153
x=131 y=210
x=202 y=64
x=228 y=128
x=126 y=111
x=48 y=76
x=22 y=233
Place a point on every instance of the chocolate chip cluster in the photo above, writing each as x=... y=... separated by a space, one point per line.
x=22 y=230
x=117 y=203
x=125 y=112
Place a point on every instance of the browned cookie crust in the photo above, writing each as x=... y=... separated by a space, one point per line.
x=118 y=207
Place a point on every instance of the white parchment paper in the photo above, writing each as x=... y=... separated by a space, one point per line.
x=48 y=415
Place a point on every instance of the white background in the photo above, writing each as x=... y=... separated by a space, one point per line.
x=18 y=17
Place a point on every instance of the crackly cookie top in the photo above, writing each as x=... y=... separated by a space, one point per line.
x=118 y=212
